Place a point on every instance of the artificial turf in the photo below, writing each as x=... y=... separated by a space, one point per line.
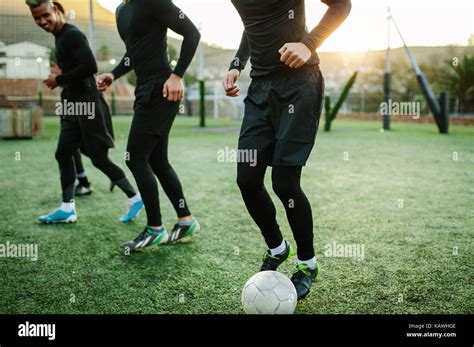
x=400 y=194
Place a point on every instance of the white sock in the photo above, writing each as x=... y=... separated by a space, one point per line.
x=310 y=262
x=135 y=198
x=279 y=250
x=68 y=206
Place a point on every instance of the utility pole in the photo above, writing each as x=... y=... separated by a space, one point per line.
x=440 y=112
x=202 y=86
x=91 y=27
x=387 y=77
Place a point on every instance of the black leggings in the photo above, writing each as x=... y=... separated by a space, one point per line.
x=78 y=162
x=69 y=142
x=286 y=185
x=149 y=157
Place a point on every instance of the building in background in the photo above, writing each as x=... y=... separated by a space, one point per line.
x=24 y=60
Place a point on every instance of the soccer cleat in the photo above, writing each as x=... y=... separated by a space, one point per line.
x=133 y=211
x=59 y=216
x=182 y=233
x=112 y=186
x=82 y=190
x=272 y=262
x=303 y=279
x=147 y=238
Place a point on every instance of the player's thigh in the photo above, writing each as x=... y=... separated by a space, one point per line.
x=159 y=155
x=300 y=104
x=257 y=137
x=69 y=138
x=141 y=140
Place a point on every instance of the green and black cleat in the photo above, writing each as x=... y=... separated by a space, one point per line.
x=303 y=279
x=147 y=238
x=182 y=233
x=272 y=262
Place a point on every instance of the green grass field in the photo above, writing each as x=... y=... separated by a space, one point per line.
x=418 y=257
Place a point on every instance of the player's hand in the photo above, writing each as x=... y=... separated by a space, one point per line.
x=230 y=83
x=173 y=89
x=294 y=54
x=50 y=82
x=104 y=81
x=55 y=69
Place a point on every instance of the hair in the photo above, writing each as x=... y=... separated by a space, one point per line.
x=60 y=7
x=36 y=3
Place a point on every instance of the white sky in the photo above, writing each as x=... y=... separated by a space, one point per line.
x=422 y=22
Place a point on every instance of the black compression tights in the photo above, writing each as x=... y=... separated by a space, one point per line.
x=78 y=162
x=69 y=141
x=149 y=157
x=286 y=185
x=100 y=160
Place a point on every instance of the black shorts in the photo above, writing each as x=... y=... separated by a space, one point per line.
x=282 y=113
x=153 y=113
x=91 y=134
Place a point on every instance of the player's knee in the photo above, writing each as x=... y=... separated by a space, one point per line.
x=161 y=168
x=61 y=155
x=282 y=188
x=99 y=161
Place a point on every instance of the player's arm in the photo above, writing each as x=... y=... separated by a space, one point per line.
x=242 y=56
x=86 y=64
x=173 y=18
x=105 y=80
x=335 y=15
x=236 y=66
x=296 y=54
x=123 y=68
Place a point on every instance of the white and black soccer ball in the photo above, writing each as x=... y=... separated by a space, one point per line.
x=269 y=292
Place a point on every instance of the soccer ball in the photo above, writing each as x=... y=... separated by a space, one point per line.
x=269 y=292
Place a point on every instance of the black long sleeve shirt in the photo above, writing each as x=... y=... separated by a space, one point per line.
x=143 y=25
x=76 y=60
x=269 y=24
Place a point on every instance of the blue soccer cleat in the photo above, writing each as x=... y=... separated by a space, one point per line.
x=59 y=216
x=133 y=211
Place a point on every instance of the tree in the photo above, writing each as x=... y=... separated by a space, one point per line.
x=132 y=78
x=460 y=82
x=172 y=54
x=52 y=55
x=104 y=52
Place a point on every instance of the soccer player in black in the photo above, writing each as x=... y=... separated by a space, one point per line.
x=91 y=132
x=83 y=187
x=143 y=25
x=282 y=112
